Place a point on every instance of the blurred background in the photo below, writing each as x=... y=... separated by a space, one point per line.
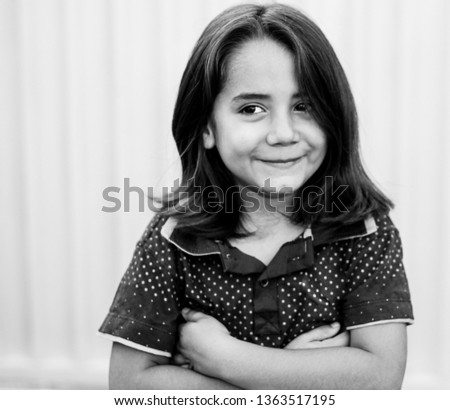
x=87 y=89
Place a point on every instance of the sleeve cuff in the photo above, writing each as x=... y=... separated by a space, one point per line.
x=134 y=345
x=141 y=336
x=377 y=312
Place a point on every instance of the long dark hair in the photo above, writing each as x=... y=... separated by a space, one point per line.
x=321 y=78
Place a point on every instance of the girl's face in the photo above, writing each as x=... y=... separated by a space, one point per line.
x=261 y=123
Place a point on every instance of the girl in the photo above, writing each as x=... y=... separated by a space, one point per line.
x=276 y=238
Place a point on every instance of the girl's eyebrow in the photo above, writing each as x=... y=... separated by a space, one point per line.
x=259 y=96
x=250 y=96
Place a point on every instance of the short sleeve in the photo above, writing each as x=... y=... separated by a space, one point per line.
x=146 y=308
x=377 y=287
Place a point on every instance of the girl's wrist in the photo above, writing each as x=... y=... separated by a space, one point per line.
x=228 y=359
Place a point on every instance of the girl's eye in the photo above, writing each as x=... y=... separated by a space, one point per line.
x=303 y=107
x=251 y=110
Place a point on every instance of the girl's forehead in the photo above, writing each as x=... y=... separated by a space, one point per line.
x=259 y=64
x=254 y=52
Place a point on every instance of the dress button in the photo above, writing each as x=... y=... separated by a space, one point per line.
x=264 y=283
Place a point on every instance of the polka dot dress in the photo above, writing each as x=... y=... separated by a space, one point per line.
x=356 y=279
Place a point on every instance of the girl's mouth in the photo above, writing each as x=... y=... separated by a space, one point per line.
x=282 y=163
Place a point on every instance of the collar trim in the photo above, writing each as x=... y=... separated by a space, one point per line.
x=190 y=247
x=324 y=234
x=319 y=235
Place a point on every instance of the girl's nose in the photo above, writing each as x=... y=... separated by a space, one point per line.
x=282 y=132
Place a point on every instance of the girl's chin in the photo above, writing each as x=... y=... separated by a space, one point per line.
x=272 y=187
x=279 y=188
x=279 y=191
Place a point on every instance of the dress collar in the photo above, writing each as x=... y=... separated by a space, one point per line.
x=320 y=234
x=324 y=234
x=294 y=256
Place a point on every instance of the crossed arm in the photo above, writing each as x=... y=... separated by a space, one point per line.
x=374 y=358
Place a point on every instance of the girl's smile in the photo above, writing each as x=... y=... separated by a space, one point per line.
x=282 y=163
x=261 y=123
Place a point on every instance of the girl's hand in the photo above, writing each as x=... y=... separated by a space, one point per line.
x=201 y=339
x=323 y=336
x=179 y=360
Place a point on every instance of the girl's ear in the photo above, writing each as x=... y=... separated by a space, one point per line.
x=208 y=137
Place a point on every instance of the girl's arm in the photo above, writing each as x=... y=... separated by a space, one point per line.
x=375 y=359
x=134 y=369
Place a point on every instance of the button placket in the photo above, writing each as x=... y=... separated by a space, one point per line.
x=264 y=283
x=266 y=309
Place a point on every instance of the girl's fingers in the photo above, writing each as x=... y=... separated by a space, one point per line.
x=321 y=333
x=314 y=338
x=341 y=340
x=190 y=315
x=180 y=360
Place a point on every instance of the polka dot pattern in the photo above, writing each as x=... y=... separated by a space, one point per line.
x=355 y=281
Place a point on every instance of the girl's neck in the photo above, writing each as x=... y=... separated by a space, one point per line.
x=267 y=213
x=270 y=228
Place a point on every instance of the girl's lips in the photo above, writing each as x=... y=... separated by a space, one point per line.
x=282 y=162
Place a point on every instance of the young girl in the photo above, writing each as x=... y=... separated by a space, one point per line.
x=276 y=240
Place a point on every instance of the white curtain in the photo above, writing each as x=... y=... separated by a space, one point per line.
x=87 y=89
